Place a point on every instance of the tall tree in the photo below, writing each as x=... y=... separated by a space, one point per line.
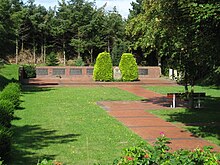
x=182 y=32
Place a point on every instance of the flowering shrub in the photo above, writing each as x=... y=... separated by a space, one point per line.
x=159 y=155
x=48 y=162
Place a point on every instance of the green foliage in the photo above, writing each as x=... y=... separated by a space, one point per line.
x=6 y=113
x=5 y=142
x=1 y=63
x=128 y=67
x=118 y=49
x=29 y=71
x=70 y=63
x=159 y=155
x=103 y=67
x=185 y=34
x=12 y=93
x=52 y=59
x=79 y=62
x=46 y=162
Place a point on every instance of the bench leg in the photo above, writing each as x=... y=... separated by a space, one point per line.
x=174 y=101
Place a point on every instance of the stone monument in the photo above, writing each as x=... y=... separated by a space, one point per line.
x=117 y=73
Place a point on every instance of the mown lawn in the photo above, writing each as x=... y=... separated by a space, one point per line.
x=203 y=122
x=8 y=73
x=66 y=124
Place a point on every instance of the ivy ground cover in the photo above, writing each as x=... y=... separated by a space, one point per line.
x=66 y=124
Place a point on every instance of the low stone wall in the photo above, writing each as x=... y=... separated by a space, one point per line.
x=71 y=72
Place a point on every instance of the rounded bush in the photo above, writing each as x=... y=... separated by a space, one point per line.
x=5 y=142
x=128 y=67
x=12 y=93
x=103 y=68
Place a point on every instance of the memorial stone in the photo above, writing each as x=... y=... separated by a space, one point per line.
x=117 y=73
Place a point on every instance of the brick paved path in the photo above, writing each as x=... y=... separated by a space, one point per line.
x=134 y=115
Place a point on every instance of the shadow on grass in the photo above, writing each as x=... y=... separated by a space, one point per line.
x=30 y=138
x=34 y=89
x=4 y=81
x=204 y=122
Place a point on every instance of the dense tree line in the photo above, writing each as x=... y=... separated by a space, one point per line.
x=175 y=34
x=75 y=28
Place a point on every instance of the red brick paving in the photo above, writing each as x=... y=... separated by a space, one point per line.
x=135 y=116
x=88 y=81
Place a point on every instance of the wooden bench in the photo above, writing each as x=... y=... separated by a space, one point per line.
x=198 y=97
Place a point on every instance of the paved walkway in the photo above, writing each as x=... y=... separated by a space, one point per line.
x=89 y=82
x=135 y=115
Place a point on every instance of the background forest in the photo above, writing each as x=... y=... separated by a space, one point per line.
x=184 y=35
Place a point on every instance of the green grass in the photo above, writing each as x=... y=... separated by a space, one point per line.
x=8 y=73
x=65 y=124
x=203 y=122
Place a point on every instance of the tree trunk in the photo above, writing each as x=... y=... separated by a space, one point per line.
x=79 y=54
x=192 y=105
x=109 y=46
x=64 y=54
x=44 y=50
x=22 y=45
x=34 y=51
x=91 y=54
x=16 y=51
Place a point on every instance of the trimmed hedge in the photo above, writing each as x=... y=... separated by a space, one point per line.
x=103 y=68
x=12 y=93
x=5 y=142
x=128 y=67
x=6 y=113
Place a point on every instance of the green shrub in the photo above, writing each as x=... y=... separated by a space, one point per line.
x=5 y=142
x=128 y=67
x=29 y=71
x=52 y=59
x=159 y=155
x=103 y=68
x=6 y=113
x=12 y=93
x=79 y=62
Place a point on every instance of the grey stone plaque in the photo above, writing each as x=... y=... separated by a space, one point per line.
x=58 y=71
x=75 y=71
x=143 y=72
x=89 y=71
x=117 y=73
x=41 y=71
